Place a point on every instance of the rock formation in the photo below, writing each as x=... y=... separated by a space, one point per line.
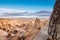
x=20 y=29
x=54 y=23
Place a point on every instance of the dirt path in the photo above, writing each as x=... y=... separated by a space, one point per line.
x=42 y=35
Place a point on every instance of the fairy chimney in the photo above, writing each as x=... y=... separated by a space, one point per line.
x=54 y=23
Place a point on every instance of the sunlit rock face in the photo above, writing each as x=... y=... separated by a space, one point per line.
x=18 y=29
x=54 y=24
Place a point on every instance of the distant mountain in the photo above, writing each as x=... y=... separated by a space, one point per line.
x=44 y=12
x=40 y=13
x=15 y=14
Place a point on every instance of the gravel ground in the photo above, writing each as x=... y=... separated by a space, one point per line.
x=42 y=35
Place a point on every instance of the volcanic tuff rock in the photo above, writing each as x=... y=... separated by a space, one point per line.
x=54 y=24
x=20 y=28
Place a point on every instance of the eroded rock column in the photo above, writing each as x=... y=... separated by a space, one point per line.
x=54 y=23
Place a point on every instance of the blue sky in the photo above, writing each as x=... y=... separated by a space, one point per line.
x=27 y=5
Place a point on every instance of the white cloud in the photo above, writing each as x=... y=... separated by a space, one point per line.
x=7 y=10
x=4 y=10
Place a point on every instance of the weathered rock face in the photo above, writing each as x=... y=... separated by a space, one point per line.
x=54 y=24
x=16 y=28
x=20 y=29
